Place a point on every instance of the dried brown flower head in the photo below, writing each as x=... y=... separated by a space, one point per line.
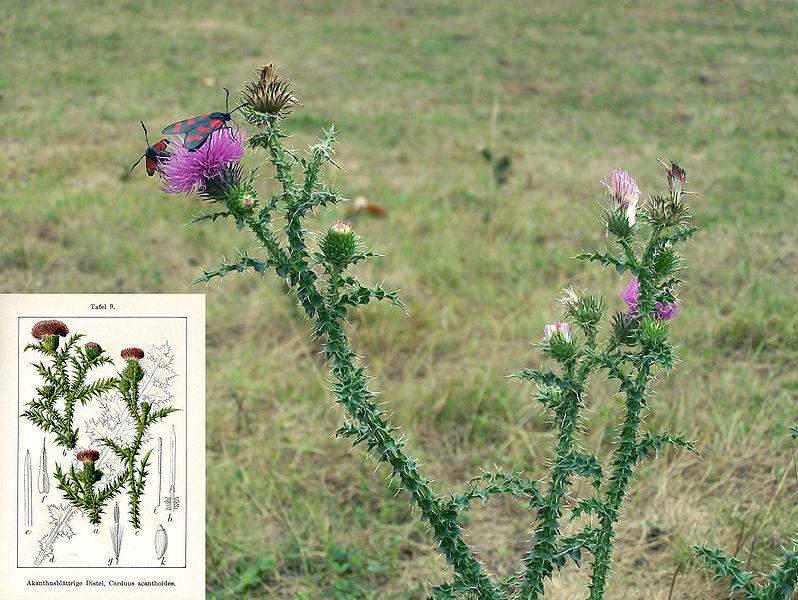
x=269 y=94
x=132 y=354
x=94 y=346
x=88 y=456
x=50 y=327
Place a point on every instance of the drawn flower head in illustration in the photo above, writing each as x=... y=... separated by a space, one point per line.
x=49 y=332
x=93 y=350
x=88 y=456
x=189 y=171
x=133 y=353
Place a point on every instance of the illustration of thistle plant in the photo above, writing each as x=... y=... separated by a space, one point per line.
x=642 y=241
x=79 y=486
x=65 y=380
x=143 y=415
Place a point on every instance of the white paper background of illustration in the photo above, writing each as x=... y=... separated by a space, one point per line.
x=170 y=329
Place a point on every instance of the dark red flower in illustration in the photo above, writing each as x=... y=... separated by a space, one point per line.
x=88 y=456
x=50 y=327
x=133 y=354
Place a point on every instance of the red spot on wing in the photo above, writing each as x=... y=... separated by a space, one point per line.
x=203 y=129
x=216 y=123
x=152 y=165
x=194 y=138
x=161 y=146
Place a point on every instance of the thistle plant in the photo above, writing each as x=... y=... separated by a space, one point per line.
x=79 y=486
x=144 y=415
x=64 y=374
x=643 y=239
x=780 y=584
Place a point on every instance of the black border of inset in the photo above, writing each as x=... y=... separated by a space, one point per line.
x=185 y=410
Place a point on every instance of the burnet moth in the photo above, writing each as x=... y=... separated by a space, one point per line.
x=154 y=154
x=197 y=130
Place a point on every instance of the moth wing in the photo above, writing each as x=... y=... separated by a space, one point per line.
x=186 y=125
x=152 y=166
x=196 y=138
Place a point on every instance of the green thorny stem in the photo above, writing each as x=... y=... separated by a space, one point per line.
x=78 y=488
x=780 y=584
x=143 y=415
x=326 y=292
x=65 y=382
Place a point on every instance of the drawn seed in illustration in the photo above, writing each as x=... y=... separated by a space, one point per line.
x=160 y=542
x=43 y=480
x=172 y=501
x=27 y=491
x=160 y=471
x=116 y=533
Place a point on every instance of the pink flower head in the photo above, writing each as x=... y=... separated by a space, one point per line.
x=631 y=295
x=187 y=171
x=666 y=311
x=341 y=228
x=558 y=328
x=624 y=192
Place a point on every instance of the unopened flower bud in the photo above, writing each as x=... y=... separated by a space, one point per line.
x=653 y=332
x=557 y=329
x=558 y=343
x=339 y=245
x=93 y=350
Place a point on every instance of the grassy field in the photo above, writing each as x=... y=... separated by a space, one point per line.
x=580 y=87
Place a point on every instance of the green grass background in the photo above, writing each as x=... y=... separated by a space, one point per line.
x=580 y=87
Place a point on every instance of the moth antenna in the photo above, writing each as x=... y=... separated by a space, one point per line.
x=136 y=164
x=239 y=107
x=226 y=100
x=146 y=137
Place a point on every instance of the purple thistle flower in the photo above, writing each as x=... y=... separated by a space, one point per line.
x=666 y=311
x=188 y=171
x=624 y=192
x=631 y=295
x=558 y=328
